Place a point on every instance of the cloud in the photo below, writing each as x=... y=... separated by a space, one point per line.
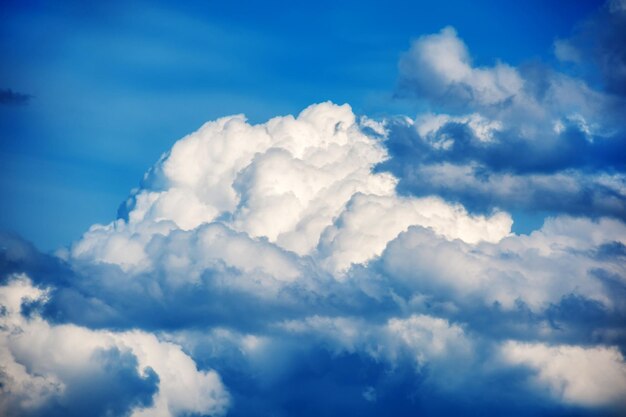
x=565 y=52
x=286 y=182
x=585 y=376
x=438 y=71
x=10 y=97
x=569 y=191
x=536 y=140
x=369 y=223
x=438 y=66
x=259 y=268
x=71 y=370
x=328 y=264
x=536 y=269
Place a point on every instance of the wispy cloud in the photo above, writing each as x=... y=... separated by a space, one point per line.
x=10 y=97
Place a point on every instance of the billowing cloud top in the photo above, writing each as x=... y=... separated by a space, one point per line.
x=304 y=184
x=328 y=264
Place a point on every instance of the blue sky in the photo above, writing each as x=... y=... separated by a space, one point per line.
x=113 y=86
x=328 y=209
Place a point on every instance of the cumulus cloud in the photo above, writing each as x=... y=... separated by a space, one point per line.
x=284 y=181
x=438 y=70
x=363 y=230
x=548 y=142
x=70 y=370
x=244 y=240
x=585 y=376
x=256 y=259
x=301 y=183
x=536 y=269
x=326 y=264
x=439 y=66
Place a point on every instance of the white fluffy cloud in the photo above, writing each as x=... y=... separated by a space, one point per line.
x=440 y=65
x=293 y=202
x=538 y=269
x=593 y=376
x=369 y=223
x=350 y=265
x=264 y=244
x=530 y=101
x=304 y=184
x=45 y=364
x=517 y=138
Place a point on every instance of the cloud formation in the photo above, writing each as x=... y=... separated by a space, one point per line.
x=599 y=377
x=438 y=66
x=245 y=240
x=526 y=138
x=71 y=370
x=302 y=183
x=326 y=264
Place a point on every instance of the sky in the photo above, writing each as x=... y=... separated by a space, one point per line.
x=108 y=88
x=279 y=209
